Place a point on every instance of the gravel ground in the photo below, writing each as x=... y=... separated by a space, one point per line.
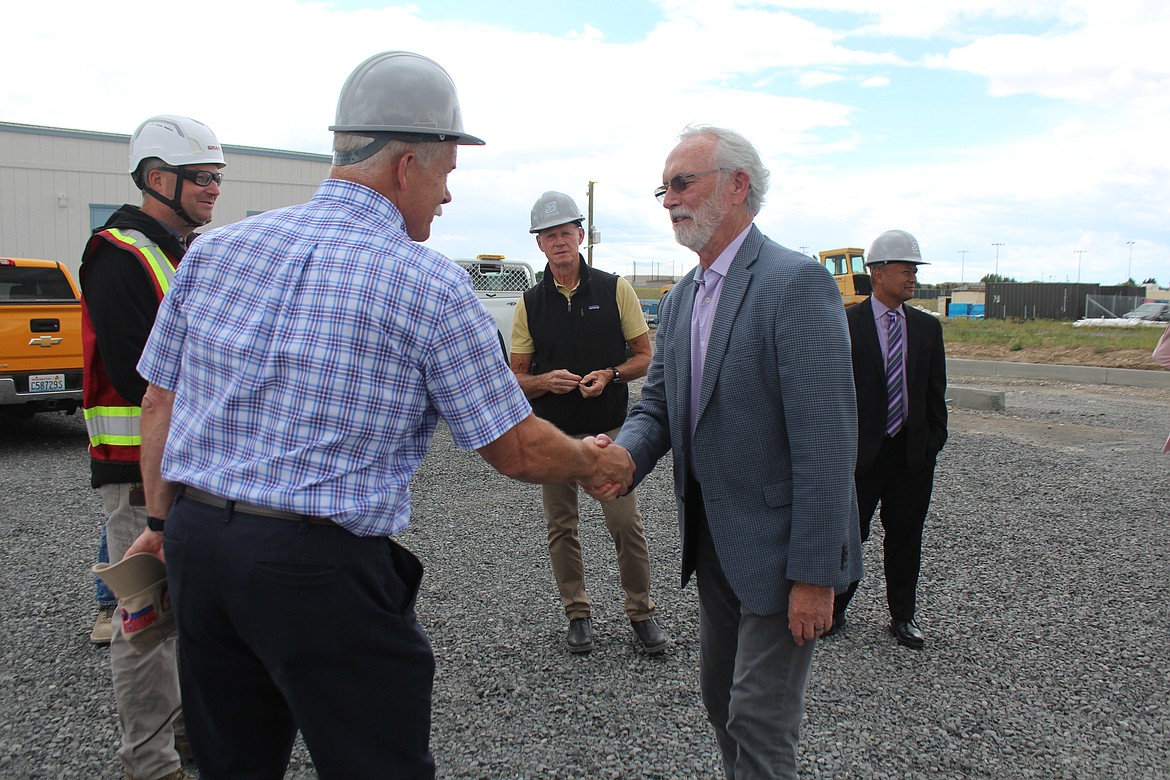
x=1044 y=601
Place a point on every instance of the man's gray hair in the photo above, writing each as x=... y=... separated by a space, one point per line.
x=426 y=151
x=734 y=151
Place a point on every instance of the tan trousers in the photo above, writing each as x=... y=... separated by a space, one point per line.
x=146 y=685
x=564 y=549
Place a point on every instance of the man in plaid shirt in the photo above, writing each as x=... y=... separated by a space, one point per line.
x=297 y=371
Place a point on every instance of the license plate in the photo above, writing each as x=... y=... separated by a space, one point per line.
x=46 y=383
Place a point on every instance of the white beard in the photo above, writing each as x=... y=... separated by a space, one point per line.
x=696 y=232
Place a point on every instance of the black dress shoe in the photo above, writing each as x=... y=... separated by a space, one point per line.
x=907 y=633
x=651 y=635
x=580 y=635
x=838 y=624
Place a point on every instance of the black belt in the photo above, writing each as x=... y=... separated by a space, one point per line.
x=209 y=499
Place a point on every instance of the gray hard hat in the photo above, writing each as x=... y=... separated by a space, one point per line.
x=894 y=246
x=552 y=209
x=399 y=95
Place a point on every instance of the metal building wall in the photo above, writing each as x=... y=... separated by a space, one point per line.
x=49 y=178
x=1043 y=300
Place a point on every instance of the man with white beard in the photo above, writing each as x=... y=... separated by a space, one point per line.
x=751 y=389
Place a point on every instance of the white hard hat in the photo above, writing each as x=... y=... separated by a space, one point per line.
x=176 y=140
x=552 y=209
x=894 y=246
x=399 y=94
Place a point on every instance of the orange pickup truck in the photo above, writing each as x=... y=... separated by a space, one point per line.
x=40 y=338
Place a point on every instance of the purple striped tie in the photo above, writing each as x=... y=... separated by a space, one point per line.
x=894 y=413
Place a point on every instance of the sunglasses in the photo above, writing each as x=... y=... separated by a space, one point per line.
x=680 y=183
x=202 y=178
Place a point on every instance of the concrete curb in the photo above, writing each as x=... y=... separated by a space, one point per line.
x=1088 y=375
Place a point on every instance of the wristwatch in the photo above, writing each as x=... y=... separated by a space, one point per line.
x=617 y=375
x=155 y=523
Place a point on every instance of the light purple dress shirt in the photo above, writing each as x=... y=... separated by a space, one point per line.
x=708 y=286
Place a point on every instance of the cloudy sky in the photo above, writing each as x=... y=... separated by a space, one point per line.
x=1040 y=125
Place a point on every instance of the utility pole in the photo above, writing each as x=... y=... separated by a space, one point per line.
x=1129 y=276
x=962 y=264
x=591 y=237
x=997 y=245
x=1078 y=253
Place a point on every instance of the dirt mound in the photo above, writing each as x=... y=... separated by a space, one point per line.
x=1067 y=356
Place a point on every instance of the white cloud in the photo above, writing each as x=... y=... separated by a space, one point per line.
x=561 y=108
x=818 y=78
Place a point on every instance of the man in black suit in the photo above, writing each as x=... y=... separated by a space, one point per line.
x=899 y=371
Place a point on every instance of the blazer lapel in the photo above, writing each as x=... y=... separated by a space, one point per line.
x=913 y=346
x=869 y=336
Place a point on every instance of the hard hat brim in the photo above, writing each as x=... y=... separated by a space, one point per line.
x=578 y=222
x=411 y=134
x=894 y=260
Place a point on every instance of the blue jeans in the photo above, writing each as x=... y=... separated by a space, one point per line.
x=101 y=591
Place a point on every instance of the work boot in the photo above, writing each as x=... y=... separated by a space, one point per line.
x=103 y=627
x=651 y=635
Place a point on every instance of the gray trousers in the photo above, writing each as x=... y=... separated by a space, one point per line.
x=146 y=685
x=752 y=676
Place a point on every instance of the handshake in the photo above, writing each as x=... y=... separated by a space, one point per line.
x=612 y=469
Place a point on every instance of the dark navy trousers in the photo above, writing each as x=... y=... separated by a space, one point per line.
x=904 y=494
x=287 y=625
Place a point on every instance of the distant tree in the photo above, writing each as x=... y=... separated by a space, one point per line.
x=1128 y=283
x=998 y=278
x=539 y=275
x=1151 y=280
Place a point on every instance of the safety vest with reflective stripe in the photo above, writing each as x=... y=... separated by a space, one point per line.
x=111 y=419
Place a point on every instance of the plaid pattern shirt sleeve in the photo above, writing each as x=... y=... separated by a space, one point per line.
x=312 y=351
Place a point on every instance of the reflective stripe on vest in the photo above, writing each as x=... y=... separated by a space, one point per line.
x=159 y=265
x=116 y=425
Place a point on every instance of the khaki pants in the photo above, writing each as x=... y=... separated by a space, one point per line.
x=146 y=685
x=564 y=548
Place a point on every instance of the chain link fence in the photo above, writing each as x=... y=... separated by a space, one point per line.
x=1110 y=306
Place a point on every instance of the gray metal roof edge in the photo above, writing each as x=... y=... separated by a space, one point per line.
x=94 y=135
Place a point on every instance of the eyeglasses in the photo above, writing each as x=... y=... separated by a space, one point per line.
x=202 y=178
x=681 y=182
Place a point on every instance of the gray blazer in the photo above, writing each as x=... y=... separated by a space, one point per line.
x=776 y=439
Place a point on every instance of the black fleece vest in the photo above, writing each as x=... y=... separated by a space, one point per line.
x=581 y=334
